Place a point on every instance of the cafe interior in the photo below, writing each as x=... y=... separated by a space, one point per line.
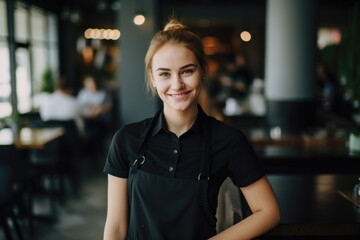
x=298 y=103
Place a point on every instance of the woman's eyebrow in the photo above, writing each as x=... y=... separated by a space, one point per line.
x=188 y=65
x=162 y=69
x=168 y=69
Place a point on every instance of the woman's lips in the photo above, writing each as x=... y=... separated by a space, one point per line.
x=179 y=96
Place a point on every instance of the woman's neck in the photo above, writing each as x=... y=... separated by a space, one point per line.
x=180 y=122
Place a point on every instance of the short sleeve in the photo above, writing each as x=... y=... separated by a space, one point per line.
x=243 y=166
x=116 y=162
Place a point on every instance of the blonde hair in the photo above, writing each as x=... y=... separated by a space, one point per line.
x=177 y=33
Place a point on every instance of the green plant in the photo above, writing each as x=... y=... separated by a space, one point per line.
x=47 y=81
x=14 y=121
x=349 y=65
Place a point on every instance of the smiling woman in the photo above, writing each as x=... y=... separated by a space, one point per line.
x=164 y=173
x=176 y=75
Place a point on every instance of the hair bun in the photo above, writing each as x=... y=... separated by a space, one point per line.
x=174 y=25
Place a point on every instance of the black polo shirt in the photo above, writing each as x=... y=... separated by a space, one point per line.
x=180 y=157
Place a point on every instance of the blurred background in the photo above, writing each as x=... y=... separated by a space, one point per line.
x=42 y=39
x=290 y=68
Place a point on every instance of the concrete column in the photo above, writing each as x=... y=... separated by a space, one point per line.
x=134 y=103
x=290 y=63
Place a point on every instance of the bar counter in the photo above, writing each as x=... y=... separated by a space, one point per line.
x=303 y=153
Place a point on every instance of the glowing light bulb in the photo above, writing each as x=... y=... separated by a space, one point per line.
x=245 y=36
x=139 y=19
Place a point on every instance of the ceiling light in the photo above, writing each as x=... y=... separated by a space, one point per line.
x=139 y=19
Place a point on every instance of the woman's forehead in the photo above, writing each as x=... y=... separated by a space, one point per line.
x=173 y=55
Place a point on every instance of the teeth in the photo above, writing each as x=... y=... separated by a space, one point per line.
x=178 y=95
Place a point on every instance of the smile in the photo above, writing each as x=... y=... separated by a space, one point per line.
x=179 y=95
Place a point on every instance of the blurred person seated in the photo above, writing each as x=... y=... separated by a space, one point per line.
x=240 y=76
x=61 y=109
x=331 y=93
x=214 y=89
x=327 y=86
x=61 y=105
x=236 y=81
x=96 y=107
x=257 y=101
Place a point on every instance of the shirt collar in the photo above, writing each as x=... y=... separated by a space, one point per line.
x=159 y=124
x=198 y=126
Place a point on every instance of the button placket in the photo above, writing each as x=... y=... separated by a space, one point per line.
x=174 y=152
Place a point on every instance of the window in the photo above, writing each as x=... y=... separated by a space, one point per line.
x=44 y=46
x=3 y=19
x=36 y=51
x=5 y=85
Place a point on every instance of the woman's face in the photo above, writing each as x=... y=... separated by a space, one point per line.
x=176 y=75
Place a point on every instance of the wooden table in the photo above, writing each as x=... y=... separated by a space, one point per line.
x=310 y=174
x=30 y=138
x=311 y=205
x=297 y=160
x=303 y=153
x=16 y=149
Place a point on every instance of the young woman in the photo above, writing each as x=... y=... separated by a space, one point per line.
x=164 y=173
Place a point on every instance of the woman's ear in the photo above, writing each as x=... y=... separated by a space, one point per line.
x=203 y=73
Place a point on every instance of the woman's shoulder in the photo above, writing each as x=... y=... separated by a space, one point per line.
x=134 y=129
x=221 y=129
x=217 y=124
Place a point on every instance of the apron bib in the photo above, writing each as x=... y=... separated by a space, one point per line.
x=164 y=208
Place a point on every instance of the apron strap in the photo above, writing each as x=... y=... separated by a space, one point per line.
x=141 y=149
x=140 y=157
x=205 y=168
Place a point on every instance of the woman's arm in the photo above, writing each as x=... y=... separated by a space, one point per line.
x=266 y=213
x=117 y=209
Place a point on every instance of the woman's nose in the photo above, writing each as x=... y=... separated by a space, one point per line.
x=177 y=83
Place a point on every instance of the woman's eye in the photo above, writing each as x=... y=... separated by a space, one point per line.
x=187 y=71
x=164 y=74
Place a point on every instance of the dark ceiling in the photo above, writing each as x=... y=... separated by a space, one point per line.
x=97 y=5
x=95 y=13
x=103 y=12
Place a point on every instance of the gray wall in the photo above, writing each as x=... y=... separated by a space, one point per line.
x=134 y=102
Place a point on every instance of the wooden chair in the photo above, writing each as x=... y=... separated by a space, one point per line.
x=47 y=176
x=57 y=162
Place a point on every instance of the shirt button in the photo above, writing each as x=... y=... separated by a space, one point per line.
x=171 y=169
x=175 y=151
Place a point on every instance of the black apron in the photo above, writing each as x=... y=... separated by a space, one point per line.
x=164 y=208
